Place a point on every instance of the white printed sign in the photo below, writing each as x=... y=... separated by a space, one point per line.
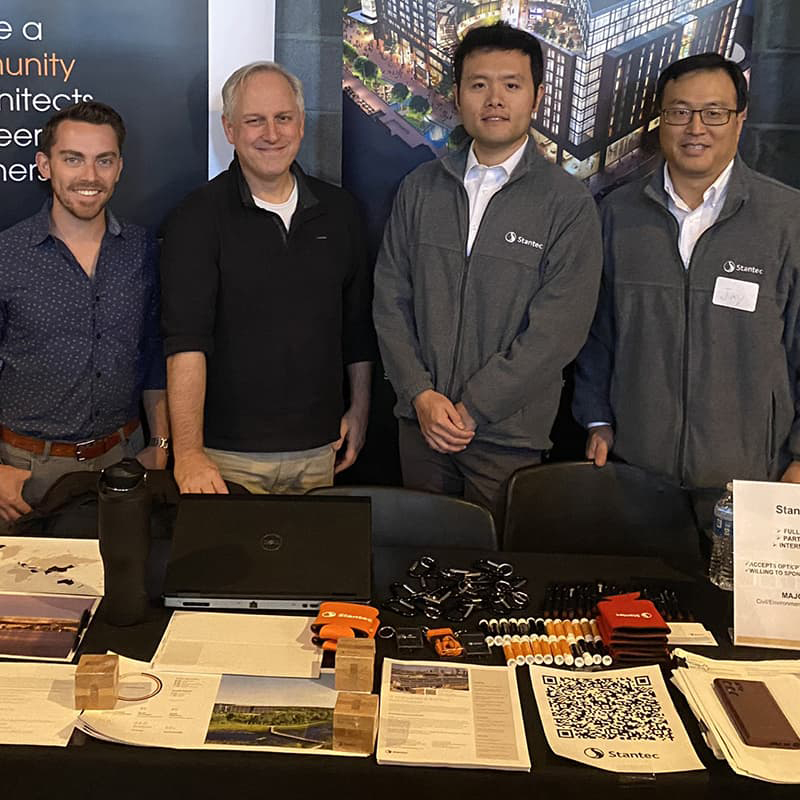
x=766 y=564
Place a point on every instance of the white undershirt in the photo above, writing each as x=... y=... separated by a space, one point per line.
x=283 y=210
x=482 y=183
x=694 y=223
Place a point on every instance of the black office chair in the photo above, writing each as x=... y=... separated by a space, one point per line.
x=576 y=507
x=409 y=518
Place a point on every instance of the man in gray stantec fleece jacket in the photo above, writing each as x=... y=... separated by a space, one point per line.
x=691 y=367
x=486 y=283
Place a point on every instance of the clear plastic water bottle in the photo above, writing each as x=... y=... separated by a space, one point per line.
x=720 y=571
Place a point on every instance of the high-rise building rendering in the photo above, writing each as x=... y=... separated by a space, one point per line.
x=423 y=32
x=602 y=60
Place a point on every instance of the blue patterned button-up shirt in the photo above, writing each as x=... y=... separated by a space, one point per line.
x=76 y=351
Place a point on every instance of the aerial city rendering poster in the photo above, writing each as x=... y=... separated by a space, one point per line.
x=602 y=59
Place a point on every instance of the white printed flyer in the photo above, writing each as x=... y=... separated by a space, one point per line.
x=450 y=715
x=620 y=720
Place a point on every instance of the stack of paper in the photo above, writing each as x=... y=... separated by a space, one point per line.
x=238 y=644
x=37 y=703
x=782 y=678
x=450 y=715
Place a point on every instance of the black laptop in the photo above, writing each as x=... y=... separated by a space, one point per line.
x=271 y=552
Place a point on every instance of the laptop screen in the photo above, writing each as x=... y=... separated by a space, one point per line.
x=301 y=548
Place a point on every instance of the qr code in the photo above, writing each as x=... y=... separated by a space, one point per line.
x=606 y=708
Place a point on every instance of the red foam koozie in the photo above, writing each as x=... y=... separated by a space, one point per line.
x=628 y=615
x=642 y=640
x=624 y=655
x=605 y=633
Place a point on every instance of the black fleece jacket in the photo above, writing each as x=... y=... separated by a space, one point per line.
x=278 y=313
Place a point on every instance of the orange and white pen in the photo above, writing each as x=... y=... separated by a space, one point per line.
x=563 y=644
x=516 y=648
x=508 y=652
x=558 y=656
x=527 y=650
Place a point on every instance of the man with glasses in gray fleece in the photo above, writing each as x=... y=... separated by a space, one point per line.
x=691 y=367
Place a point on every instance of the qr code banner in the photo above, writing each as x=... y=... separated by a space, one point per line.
x=621 y=720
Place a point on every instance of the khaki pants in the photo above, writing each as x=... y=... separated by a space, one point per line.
x=294 y=472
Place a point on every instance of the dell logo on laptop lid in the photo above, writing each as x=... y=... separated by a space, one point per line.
x=271 y=542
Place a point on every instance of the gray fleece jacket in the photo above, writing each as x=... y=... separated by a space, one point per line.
x=494 y=330
x=698 y=391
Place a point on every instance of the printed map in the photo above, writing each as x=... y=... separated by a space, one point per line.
x=55 y=566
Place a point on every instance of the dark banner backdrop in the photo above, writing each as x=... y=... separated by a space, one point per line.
x=147 y=59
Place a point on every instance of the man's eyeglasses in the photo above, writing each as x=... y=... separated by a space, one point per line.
x=680 y=115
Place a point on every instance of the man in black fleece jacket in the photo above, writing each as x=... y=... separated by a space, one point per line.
x=266 y=299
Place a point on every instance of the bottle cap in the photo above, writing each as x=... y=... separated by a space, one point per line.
x=123 y=476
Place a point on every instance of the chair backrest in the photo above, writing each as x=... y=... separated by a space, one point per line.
x=409 y=518
x=575 y=507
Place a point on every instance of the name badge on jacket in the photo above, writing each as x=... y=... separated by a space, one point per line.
x=731 y=293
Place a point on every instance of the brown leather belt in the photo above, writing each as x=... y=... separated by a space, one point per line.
x=81 y=451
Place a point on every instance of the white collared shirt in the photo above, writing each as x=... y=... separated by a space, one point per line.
x=694 y=223
x=482 y=183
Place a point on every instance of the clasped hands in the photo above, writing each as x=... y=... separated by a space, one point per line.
x=445 y=426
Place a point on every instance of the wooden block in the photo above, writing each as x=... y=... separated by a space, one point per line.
x=97 y=682
x=355 y=722
x=355 y=664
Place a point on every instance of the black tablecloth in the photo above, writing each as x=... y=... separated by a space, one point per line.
x=89 y=768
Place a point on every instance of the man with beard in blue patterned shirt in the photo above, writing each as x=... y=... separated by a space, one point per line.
x=79 y=340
